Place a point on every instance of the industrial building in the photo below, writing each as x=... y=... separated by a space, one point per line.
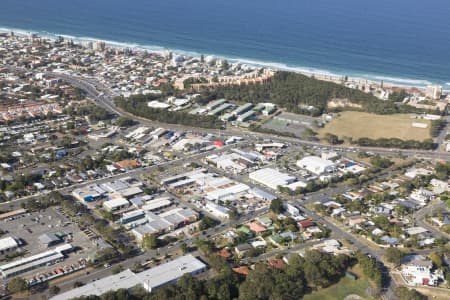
x=124 y=187
x=88 y=193
x=123 y=280
x=12 y=214
x=116 y=203
x=220 y=109
x=50 y=239
x=242 y=109
x=156 y=204
x=170 y=272
x=246 y=116
x=151 y=279
x=131 y=216
x=146 y=222
x=271 y=178
x=316 y=165
x=216 y=103
x=217 y=210
x=26 y=264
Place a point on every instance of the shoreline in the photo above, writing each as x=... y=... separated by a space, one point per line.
x=376 y=80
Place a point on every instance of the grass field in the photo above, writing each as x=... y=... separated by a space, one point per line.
x=343 y=288
x=360 y=124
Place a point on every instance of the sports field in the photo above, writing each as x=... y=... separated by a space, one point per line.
x=361 y=124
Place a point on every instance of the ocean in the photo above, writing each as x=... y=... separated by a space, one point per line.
x=404 y=42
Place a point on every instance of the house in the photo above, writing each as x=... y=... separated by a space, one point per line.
x=127 y=164
x=243 y=270
x=377 y=232
x=241 y=249
x=224 y=253
x=257 y=228
x=245 y=230
x=305 y=224
x=416 y=270
x=439 y=186
x=390 y=240
x=265 y=221
x=276 y=263
x=415 y=231
x=258 y=243
x=356 y=220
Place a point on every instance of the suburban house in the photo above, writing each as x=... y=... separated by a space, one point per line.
x=417 y=270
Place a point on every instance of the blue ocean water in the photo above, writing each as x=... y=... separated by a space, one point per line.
x=400 y=41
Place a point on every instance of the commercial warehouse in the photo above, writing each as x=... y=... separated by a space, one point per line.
x=151 y=279
x=33 y=262
x=271 y=178
x=170 y=272
x=116 y=203
x=316 y=165
x=88 y=193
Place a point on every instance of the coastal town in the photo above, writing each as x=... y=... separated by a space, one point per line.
x=121 y=169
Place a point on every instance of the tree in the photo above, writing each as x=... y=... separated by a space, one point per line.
x=184 y=248
x=117 y=269
x=276 y=206
x=332 y=139
x=394 y=256
x=124 y=122
x=380 y=162
x=436 y=259
x=207 y=222
x=150 y=242
x=53 y=290
x=17 y=284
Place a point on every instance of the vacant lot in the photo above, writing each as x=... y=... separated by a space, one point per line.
x=359 y=124
x=343 y=288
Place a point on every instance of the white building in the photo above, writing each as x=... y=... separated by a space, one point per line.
x=158 y=105
x=271 y=178
x=417 y=271
x=170 y=272
x=88 y=193
x=29 y=263
x=8 y=245
x=439 y=186
x=316 y=165
x=217 y=210
x=433 y=91
x=116 y=203
x=151 y=279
